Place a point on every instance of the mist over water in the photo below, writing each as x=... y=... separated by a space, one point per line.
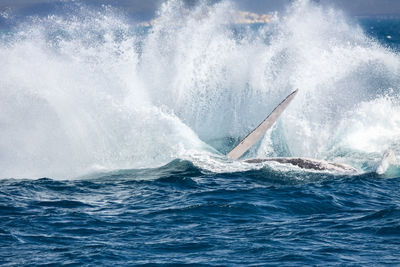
x=131 y=125
x=88 y=90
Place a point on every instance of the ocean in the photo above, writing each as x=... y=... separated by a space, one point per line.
x=114 y=135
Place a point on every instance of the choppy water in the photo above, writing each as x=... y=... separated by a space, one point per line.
x=187 y=216
x=130 y=125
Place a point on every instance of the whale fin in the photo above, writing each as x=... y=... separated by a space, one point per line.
x=388 y=159
x=261 y=129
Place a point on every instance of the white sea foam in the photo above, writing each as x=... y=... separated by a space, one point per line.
x=88 y=89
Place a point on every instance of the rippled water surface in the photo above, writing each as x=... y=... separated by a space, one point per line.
x=130 y=123
x=188 y=216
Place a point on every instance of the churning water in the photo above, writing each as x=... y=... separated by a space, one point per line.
x=135 y=121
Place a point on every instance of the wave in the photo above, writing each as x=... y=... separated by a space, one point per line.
x=89 y=90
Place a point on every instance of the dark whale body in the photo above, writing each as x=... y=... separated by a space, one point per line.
x=388 y=159
x=309 y=164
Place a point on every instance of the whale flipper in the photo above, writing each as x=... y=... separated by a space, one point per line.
x=304 y=163
x=261 y=129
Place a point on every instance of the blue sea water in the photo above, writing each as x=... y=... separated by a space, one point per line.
x=113 y=136
x=185 y=216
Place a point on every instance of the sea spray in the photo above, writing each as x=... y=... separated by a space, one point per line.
x=72 y=101
x=88 y=89
x=336 y=66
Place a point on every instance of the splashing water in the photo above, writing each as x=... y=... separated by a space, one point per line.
x=88 y=90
